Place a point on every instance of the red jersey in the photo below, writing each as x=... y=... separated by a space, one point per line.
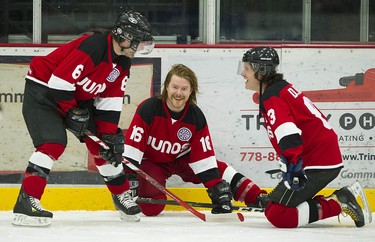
x=85 y=69
x=296 y=128
x=155 y=136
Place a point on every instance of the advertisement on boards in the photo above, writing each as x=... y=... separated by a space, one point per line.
x=340 y=82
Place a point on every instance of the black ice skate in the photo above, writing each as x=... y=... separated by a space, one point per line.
x=347 y=198
x=29 y=212
x=129 y=210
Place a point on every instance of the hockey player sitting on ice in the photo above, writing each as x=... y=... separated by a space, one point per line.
x=307 y=145
x=169 y=135
x=85 y=79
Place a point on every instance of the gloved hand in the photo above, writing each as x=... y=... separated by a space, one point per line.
x=294 y=176
x=115 y=142
x=261 y=201
x=221 y=197
x=76 y=121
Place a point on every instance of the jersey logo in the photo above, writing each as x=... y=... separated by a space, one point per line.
x=113 y=75
x=184 y=134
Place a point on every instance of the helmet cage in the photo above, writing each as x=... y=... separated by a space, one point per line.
x=133 y=35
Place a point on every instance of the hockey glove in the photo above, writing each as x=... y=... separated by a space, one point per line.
x=221 y=197
x=115 y=142
x=294 y=176
x=76 y=121
x=261 y=201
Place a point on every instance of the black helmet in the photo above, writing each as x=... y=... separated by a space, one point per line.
x=132 y=26
x=263 y=59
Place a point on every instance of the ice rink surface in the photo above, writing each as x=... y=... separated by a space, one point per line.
x=102 y=226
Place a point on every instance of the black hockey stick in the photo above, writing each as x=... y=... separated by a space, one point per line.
x=195 y=204
x=230 y=217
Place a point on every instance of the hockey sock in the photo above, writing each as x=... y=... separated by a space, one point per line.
x=34 y=185
x=243 y=189
x=118 y=185
x=329 y=207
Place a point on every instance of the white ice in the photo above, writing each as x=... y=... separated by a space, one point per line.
x=102 y=226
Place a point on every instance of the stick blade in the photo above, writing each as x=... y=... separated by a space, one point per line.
x=225 y=217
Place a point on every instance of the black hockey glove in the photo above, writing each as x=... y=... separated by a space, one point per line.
x=294 y=176
x=76 y=121
x=261 y=201
x=221 y=197
x=115 y=142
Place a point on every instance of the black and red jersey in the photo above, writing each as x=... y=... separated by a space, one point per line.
x=155 y=136
x=85 y=69
x=296 y=128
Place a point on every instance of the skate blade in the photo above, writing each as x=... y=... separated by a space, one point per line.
x=130 y=218
x=360 y=195
x=29 y=221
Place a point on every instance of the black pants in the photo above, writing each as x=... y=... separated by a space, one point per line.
x=44 y=123
x=316 y=181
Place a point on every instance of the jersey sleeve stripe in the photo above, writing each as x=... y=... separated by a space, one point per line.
x=133 y=153
x=203 y=165
x=109 y=104
x=229 y=173
x=36 y=80
x=60 y=84
x=286 y=129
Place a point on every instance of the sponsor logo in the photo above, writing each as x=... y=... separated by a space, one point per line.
x=113 y=75
x=184 y=134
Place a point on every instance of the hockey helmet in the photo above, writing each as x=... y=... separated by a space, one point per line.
x=264 y=60
x=135 y=28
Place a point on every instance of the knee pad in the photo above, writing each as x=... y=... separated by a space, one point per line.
x=282 y=216
x=149 y=209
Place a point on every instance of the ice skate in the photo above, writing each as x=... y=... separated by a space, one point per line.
x=129 y=210
x=348 y=198
x=29 y=212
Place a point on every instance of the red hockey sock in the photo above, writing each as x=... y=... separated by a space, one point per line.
x=247 y=192
x=34 y=185
x=329 y=207
x=118 y=189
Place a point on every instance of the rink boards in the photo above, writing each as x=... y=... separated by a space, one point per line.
x=95 y=198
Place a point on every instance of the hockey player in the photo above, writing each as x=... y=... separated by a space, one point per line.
x=169 y=135
x=85 y=79
x=307 y=145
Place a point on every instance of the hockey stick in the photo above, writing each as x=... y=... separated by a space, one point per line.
x=230 y=217
x=90 y=135
x=205 y=217
x=195 y=204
